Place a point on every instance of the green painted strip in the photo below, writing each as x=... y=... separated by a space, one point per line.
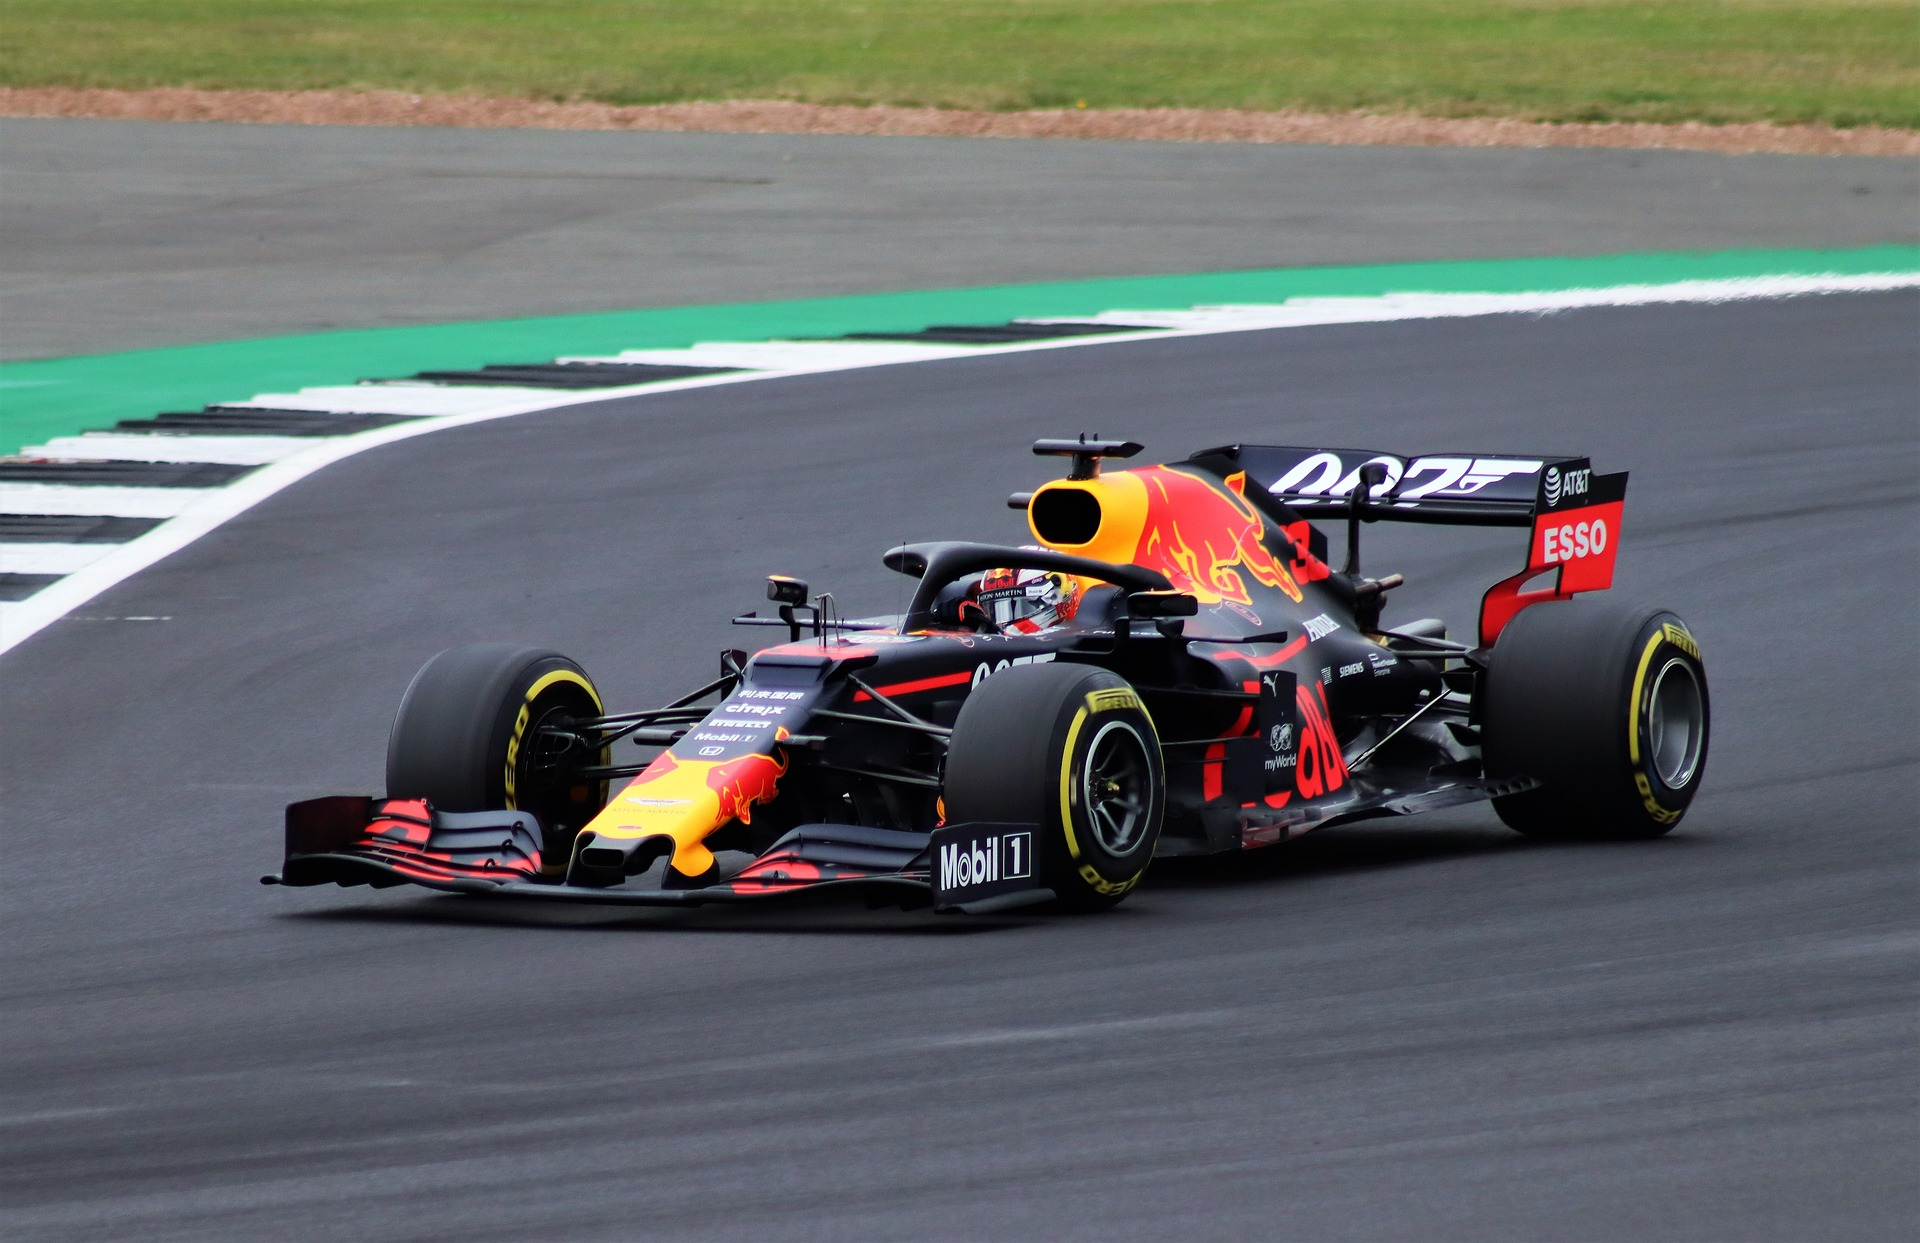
x=56 y=397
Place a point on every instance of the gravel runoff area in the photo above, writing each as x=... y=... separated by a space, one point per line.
x=781 y=117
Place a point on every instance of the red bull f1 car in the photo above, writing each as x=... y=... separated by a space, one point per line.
x=1172 y=667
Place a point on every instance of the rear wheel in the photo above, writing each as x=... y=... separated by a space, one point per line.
x=468 y=738
x=1071 y=749
x=1606 y=704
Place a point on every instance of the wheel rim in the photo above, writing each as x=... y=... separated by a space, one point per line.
x=1676 y=724
x=542 y=762
x=1116 y=788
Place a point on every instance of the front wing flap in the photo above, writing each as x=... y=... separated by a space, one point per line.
x=356 y=840
x=352 y=840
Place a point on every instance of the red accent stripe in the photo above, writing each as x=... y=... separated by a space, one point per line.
x=1239 y=727
x=1212 y=782
x=913 y=688
x=1280 y=657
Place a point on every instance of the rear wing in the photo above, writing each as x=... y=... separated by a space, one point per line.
x=1574 y=514
x=1459 y=488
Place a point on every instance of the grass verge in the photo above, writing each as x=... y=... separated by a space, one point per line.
x=1833 y=62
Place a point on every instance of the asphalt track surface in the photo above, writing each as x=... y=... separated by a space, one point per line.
x=1427 y=1029
x=119 y=235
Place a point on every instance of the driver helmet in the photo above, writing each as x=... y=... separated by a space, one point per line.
x=1029 y=601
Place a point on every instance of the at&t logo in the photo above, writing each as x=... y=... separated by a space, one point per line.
x=1569 y=484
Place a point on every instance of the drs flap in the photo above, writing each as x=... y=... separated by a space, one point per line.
x=1476 y=489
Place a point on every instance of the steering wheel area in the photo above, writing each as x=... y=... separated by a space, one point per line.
x=939 y=600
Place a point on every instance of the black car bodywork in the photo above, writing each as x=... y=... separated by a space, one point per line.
x=1272 y=699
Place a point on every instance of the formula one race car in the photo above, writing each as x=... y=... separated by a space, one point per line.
x=1174 y=669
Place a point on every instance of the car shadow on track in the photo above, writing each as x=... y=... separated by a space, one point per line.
x=1348 y=848
x=1365 y=847
x=792 y=917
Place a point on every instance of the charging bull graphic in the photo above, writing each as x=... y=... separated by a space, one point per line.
x=1205 y=539
x=741 y=783
x=687 y=800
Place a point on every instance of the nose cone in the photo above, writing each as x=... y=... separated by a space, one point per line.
x=599 y=862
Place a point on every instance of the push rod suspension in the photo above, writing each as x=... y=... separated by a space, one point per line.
x=922 y=727
x=1393 y=733
x=896 y=709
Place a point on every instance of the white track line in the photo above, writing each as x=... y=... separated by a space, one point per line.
x=205 y=509
x=50 y=558
x=226 y=450
x=793 y=355
x=424 y=400
x=102 y=500
x=1307 y=312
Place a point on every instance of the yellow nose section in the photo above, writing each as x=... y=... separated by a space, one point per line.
x=687 y=800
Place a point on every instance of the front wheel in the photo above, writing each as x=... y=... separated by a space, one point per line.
x=468 y=738
x=1606 y=705
x=1071 y=749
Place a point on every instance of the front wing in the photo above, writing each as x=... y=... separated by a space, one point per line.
x=353 y=840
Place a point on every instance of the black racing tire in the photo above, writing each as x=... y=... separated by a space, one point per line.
x=464 y=737
x=1071 y=749
x=1606 y=704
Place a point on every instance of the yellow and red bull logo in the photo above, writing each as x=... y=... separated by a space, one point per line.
x=1205 y=536
x=740 y=783
x=1208 y=540
x=687 y=800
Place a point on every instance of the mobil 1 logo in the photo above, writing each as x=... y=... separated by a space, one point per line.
x=975 y=861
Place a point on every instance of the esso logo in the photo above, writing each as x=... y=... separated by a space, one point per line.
x=1572 y=541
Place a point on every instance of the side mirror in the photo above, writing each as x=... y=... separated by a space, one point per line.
x=784 y=590
x=1161 y=605
x=1372 y=475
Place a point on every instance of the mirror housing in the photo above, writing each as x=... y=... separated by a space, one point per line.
x=1162 y=605
x=784 y=590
